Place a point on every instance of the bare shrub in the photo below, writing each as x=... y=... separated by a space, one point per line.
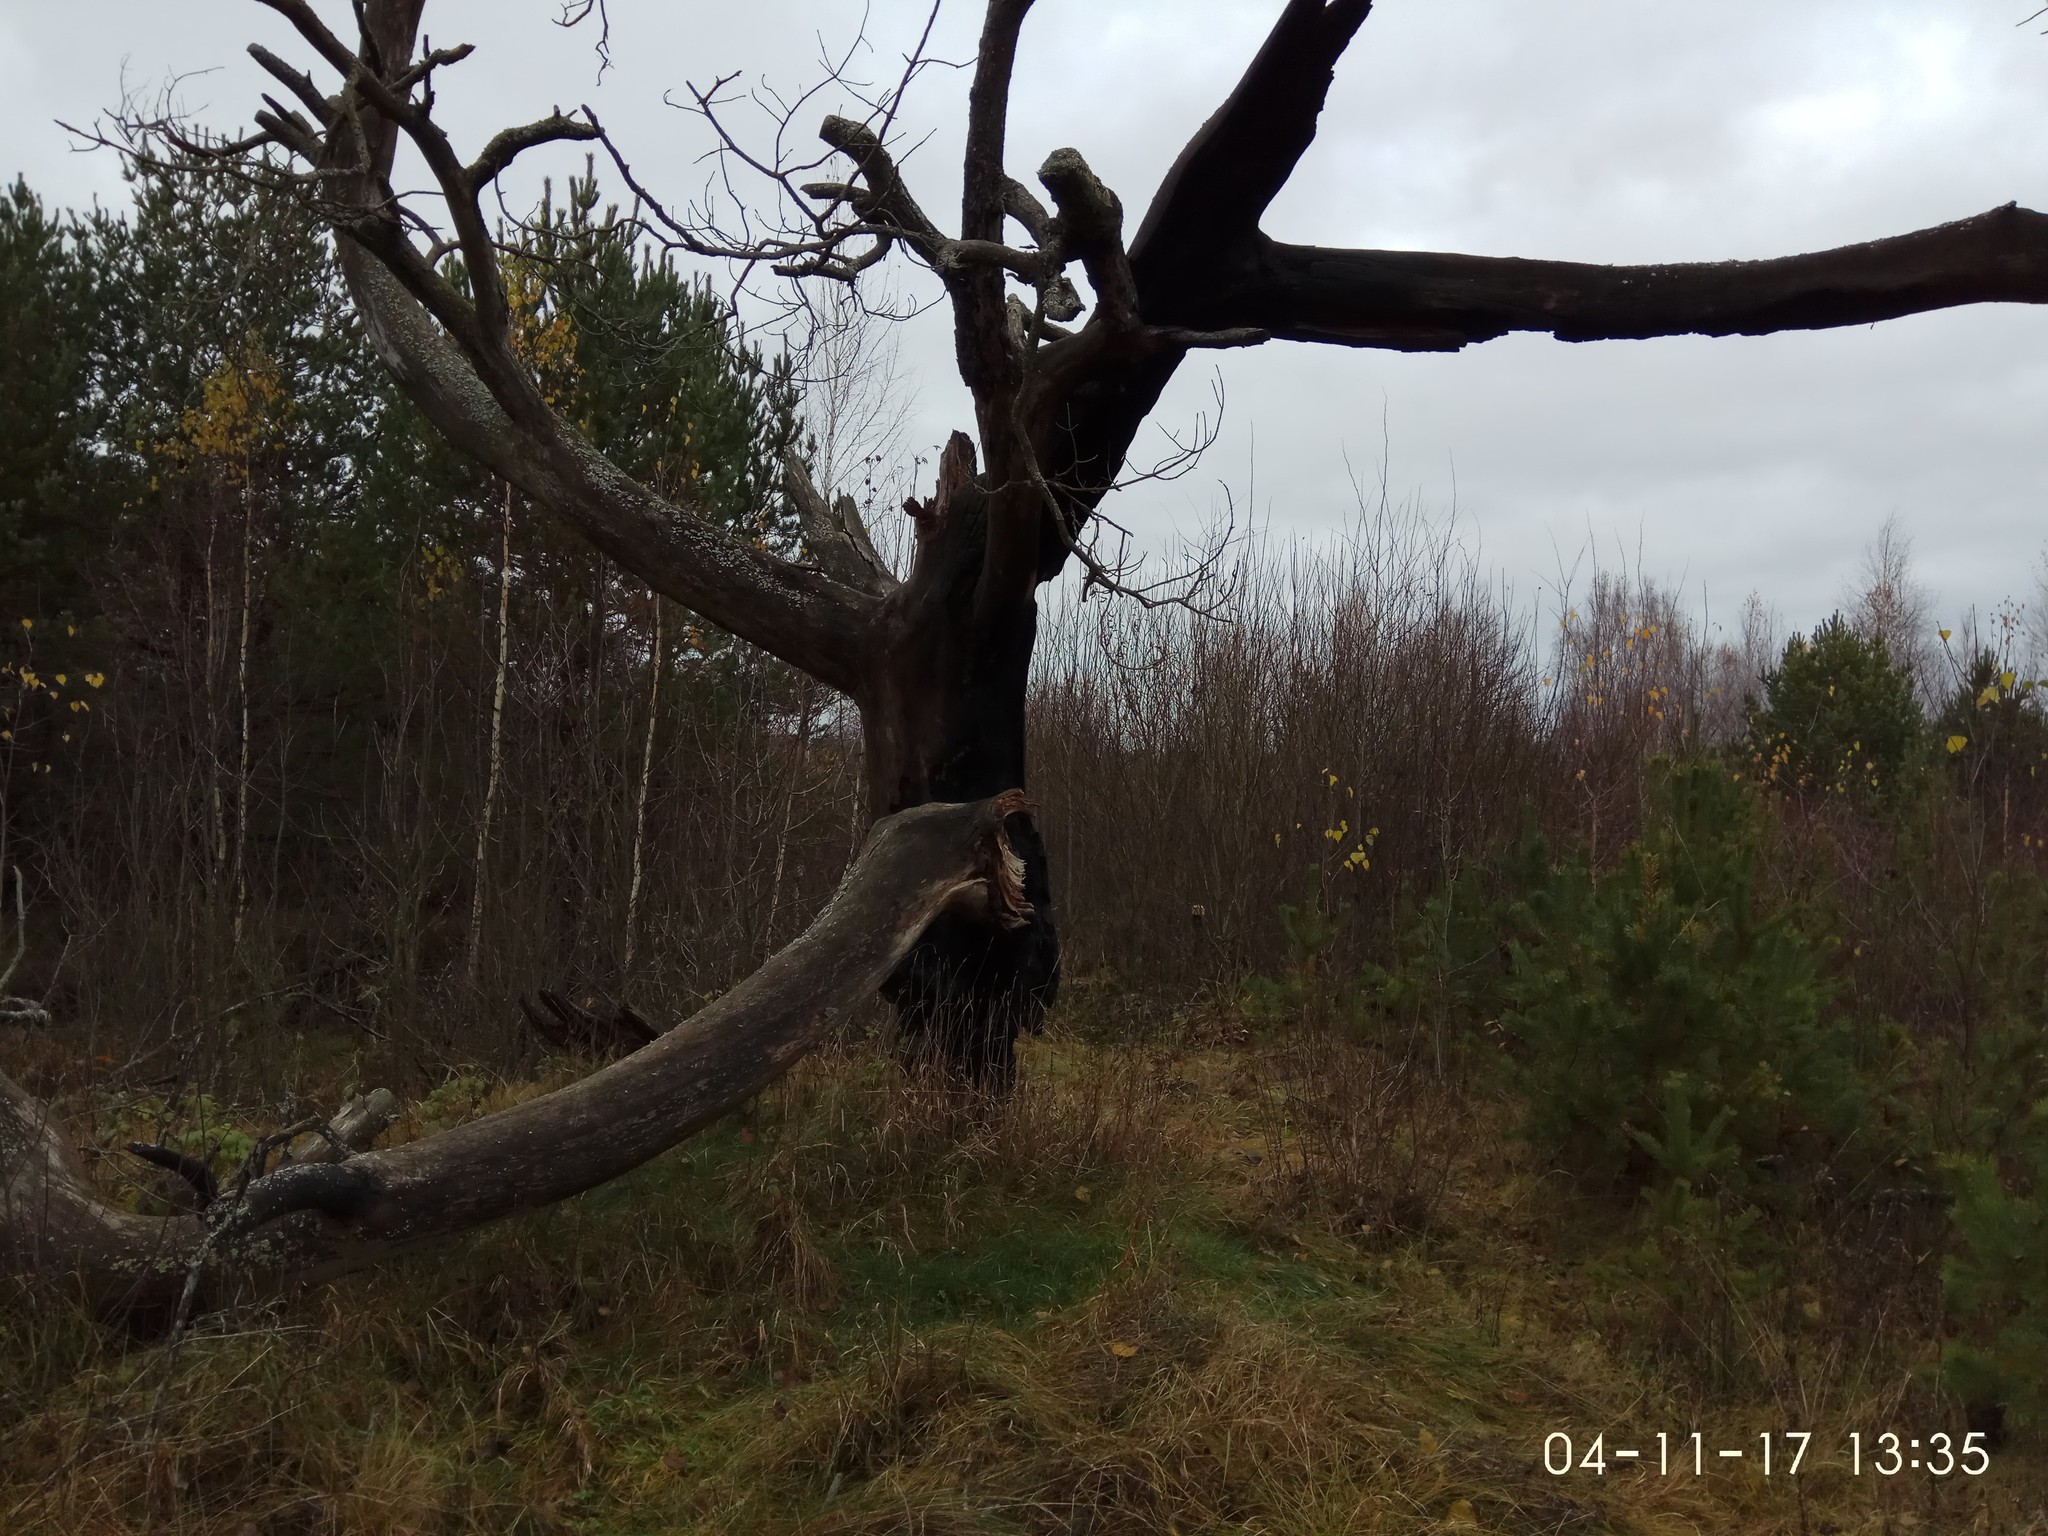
x=1198 y=773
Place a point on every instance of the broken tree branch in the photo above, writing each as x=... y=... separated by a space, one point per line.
x=310 y=1220
x=834 y=535
x=509 y=144
x=451 y=348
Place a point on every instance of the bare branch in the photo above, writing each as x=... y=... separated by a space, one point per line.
x=1185 y=449
x=981 y=334
x=1237 y=162
x=575 y=12
x=1090 y=226
x=1028 y=322
x=195 y=1171
x=834 y=535
x=20 y=929
x=891 y=199
x=1021 y=204
x=509 y=144
x=1181 y=589
x=354 y=1128
x=1428 y=301
x=801 y=615
x=983 y=181
x=421 y=69
x=606 y=1030
x=299 y=83
x=339 y=56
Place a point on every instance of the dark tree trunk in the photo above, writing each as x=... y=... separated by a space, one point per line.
x=943 y=718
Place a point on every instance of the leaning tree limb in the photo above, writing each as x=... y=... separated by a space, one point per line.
x=451 y=347
x=805 y=616
x=312 y=1220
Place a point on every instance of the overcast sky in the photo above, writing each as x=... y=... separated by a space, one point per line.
x=1604 y=130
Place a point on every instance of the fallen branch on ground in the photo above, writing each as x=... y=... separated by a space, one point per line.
x=310 y=1220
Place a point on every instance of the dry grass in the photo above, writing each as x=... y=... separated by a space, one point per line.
x=1138 y=1297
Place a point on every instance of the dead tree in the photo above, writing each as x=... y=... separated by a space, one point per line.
x=937 y=662
x=949 y=903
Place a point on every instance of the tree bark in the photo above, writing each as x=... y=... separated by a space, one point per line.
x=942 y=716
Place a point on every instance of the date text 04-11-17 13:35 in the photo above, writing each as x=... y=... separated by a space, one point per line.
x=1887 y=1454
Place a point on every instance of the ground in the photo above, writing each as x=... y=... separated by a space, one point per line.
x=1141 y=1296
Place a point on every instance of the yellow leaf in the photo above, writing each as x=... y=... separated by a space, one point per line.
x=1957 y=743
x=1427 y=1441
x=1461 y=1513
x=1122 y=1350
x=61 y=678
x=1084 y=1194
x=1944 y=635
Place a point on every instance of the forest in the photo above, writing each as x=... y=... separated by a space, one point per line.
x=1476 y=1023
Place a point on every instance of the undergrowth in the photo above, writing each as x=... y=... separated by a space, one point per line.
x=1165 y=1288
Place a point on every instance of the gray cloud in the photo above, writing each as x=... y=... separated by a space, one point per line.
x=1593 y=129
